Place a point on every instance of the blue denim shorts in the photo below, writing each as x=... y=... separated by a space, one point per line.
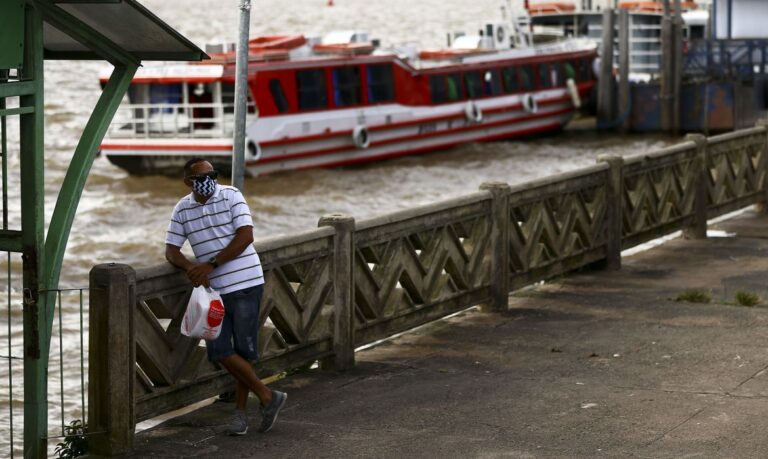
x=240 y=327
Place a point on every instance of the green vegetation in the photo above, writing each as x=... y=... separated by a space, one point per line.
x=747 y=298
x=75 y=442
x=693 y=295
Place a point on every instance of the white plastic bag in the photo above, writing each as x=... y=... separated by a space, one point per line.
x=205 y=313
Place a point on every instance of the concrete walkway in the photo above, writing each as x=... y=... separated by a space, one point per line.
x=599 y=364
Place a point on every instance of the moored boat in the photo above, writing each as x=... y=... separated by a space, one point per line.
x=343 y=101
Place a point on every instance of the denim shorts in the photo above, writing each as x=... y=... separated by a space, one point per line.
x=240 y=327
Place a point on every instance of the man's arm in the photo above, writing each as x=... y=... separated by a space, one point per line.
x=198 y=272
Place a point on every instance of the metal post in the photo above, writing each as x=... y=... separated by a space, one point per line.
x=677 y=71
x=36 y=309
x=241 y=96
x=343 y=292
x=624 y=67
x=606 y=81
x=499 y=244
x=667 y=69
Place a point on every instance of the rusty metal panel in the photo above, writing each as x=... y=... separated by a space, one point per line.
x=720 y=105
x=646 y=107
x=11 y=34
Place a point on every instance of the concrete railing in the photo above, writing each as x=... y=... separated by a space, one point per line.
x=347 y=283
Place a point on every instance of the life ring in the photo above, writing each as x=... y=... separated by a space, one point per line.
x=574 y=92
x=473 y=112
x=529 y=103
x=254 y=149
x=360 y=136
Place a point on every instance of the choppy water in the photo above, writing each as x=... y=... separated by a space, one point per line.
x=123 y=218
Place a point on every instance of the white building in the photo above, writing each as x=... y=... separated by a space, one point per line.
x=740 y=18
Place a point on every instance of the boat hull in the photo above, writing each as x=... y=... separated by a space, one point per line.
x=393 y=131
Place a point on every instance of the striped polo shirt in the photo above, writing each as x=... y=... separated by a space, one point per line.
x=209 y=228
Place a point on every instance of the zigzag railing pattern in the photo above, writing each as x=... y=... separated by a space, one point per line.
x=296 y=317
x=737 y=169
x=557 y=226
x=409 y=270
x=658 y=193
x=331 y=289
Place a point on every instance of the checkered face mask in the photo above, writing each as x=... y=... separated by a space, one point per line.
x=204 y=187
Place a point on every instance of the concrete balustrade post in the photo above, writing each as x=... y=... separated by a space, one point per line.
x=697 y=229
x=343 y=292
x=112 y=359
x=762 y=207
x=499 y=245
x=614 y=209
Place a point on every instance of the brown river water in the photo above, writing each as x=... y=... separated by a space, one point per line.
x=122 y=218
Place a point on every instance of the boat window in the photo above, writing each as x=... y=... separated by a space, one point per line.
x=164 y=97
x=545 y=77
x=228 y=99
x=346 y=86
x=278 y=95
x=509 y=74
x=491 y=83
x=473 y=81
x=438 y=88
x=454 y=87
x=381 y=83
x=526 y=78
x=312 y=89
x=586 y=69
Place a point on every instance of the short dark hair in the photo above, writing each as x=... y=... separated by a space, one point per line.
x=188 y=165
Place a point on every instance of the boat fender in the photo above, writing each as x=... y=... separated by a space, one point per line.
x=574 y=92
x=529 y=103
x=473 y=112
x=360 y=136
x=254 y=149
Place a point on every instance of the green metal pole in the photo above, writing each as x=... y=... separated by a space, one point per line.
x=77 y=173
x=32 y=218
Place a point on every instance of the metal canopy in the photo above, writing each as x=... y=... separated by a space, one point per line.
x=121 y=25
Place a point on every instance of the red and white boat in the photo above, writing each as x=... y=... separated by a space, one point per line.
x=342 y=101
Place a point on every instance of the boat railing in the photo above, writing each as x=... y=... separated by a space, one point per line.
x=198 y=120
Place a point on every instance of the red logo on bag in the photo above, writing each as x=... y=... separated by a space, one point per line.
x=215 y=313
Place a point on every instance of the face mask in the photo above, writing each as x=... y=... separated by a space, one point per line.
x=204 y=187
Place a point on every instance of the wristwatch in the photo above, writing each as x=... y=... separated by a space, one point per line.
x=212 y=261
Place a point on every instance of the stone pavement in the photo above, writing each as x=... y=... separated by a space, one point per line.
x=598 y=364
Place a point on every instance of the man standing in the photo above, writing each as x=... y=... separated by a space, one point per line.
x=217 y=222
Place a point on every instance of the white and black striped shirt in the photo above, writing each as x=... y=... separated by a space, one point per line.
x=209 y=228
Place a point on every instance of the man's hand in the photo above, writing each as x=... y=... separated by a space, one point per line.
x=198 y=274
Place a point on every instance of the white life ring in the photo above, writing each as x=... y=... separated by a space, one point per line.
x=254 y=149
x=529 y=103
x=574 y=92
x=360 y=136
x=473 y=112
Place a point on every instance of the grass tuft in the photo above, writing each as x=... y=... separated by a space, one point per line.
x=693 y=295
x=747 y=299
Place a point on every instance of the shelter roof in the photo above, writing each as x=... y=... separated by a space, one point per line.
x=112 y=30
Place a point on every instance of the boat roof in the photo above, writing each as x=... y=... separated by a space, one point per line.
x=119 y=27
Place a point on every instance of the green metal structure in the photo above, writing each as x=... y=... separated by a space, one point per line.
x=121 y=32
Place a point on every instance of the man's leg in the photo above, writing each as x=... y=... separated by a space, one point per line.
x=246 y=378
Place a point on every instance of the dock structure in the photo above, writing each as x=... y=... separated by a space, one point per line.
x=598 y=364
x=352 y=283
x=31 y=31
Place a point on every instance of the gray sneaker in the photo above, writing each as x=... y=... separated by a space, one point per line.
x=239 y=425
x=269 y=413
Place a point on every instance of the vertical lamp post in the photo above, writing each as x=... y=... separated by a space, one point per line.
x=241 y=95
